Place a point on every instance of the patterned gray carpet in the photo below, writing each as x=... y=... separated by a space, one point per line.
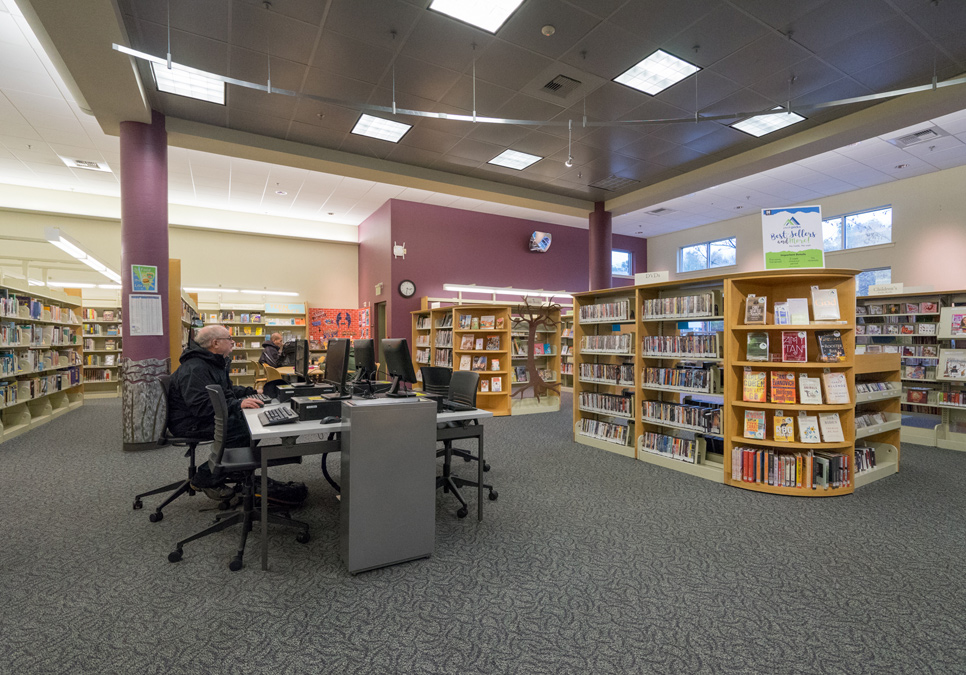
x=588 y=563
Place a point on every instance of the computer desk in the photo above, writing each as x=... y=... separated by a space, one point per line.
x=290 y=447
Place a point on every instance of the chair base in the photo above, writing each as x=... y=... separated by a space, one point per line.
x=451 y=483
x=180 y=487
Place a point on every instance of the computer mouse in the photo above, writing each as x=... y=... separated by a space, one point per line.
x=330 y=420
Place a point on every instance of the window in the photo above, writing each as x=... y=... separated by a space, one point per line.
x=708 y=255
x=855 y=230
x=866 y=278
x=621 y=263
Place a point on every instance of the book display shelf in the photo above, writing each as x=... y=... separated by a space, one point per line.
x=605 y=362
x=783 y=436
x=567 y=351
x=102 y=349
x=535 y=352
x=951 y=372
x=878 y=390
x=40 y=356
x=481 y=342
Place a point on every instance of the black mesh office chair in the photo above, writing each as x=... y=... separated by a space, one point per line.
x=462 y=389
x=182 y=486
x=241 y=464
x=437 y=380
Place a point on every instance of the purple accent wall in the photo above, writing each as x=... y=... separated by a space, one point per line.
x=446 y=245
x=144 y=223
x=599 y=246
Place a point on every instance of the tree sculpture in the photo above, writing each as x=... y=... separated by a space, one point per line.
x=536 y=316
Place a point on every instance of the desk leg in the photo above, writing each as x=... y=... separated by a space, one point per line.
x=264 y=512
x=479 y=480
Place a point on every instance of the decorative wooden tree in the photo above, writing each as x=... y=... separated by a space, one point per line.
x=535 y=316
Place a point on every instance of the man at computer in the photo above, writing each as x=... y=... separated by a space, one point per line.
x=271 y=351
x=190 y=413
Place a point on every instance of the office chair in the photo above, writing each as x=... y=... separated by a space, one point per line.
x=182 y=486
x=436 y=380
x=462 y=389
x=241 y=463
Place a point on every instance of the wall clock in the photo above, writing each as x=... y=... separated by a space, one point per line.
x=407 y=289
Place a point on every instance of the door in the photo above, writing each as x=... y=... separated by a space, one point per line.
x=380 y=332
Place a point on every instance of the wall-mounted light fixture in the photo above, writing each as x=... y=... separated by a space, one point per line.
x=506 y=290
x=73 y=248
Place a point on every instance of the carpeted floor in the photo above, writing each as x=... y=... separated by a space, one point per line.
x=588 y=563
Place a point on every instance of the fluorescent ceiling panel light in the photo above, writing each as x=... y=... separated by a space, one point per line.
x=94 y=264
x=288 y=293
x=489 y=15
x=381 y=129
x=190 y=83
x=211 y=290
x=113 y=287
x=656 y=73
x=34 y=282
x=70 y=284
x=68 y=248
x=765 y=124
x=512 y=159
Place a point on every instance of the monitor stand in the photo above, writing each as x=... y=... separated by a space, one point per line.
x=394 y=390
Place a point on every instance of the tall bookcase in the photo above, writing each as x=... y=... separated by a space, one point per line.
x=538 y=349
x=567 y=351
x=40 y=356
x=782 y=287
x=877 y=391
x=102 y=350
x=481 y=342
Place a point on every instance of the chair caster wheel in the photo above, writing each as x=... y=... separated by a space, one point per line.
x=235 y=564
x=175 y=556
x=303 y=538
x=462 y=512
x=138 y=505
x=156 y=517
x=224 y=504
x=486 y=467
x=494 y=495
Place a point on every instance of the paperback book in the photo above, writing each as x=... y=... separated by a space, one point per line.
x=479 y=344
x=830 y=347
x=496 y=384
x=782 y=386
x=808 y=429
x=831 y=427
x=784 y=428
x=465 y=362
x=754 y=386
x=755 y=307
x=487 y=322
x=825 y=304
x=755 y=424
x=484 y=385
x=794 y=348
x=809 y=390
x=494 y=364
x=836 y=388
x=493 y=342
x=798 y=311
x=479 y=363
x=757 y=349
x=466 y=342
x=782 y=317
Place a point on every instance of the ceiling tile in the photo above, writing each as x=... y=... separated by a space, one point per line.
x=196 y=51
x=313 y=135
x=377 y=23
x=758 y=60
x=440 y=40
x=351 y=58
x=509 y=66
x=272 y=33
x=505 y=135
x=657 y=22
x=489 y=97
x=420 y=79
x=479 y=151
x=570 y=26
x=523 y=107
x=836 y=21
x=609 y=50
x=414 y=156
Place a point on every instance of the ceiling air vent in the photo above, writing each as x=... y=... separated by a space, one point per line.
x=561 y=86
x=917 y=137
x=613 y=183
x=659 y=211
x=89 y=164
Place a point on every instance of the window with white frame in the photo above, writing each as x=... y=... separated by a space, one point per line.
x=621 y=263
x=866 y=278
x=708 y=255
x=855 y=230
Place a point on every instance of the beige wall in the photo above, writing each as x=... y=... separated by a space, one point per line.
x=324 y=273
x=928 y=233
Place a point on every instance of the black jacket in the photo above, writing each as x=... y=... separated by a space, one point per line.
x=189 y=408
x=270 y=354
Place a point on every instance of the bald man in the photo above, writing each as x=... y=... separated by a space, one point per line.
x=271 y=350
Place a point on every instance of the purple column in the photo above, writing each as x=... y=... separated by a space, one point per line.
x=144 y=241
x=600 y=243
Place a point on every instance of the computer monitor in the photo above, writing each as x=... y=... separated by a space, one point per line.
x=302 y=363
x=365 y=356
x=337 y=367
x=399 y=365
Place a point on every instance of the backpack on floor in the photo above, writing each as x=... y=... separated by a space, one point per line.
x=290 y=494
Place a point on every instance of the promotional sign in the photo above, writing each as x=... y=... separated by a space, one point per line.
x=144 y=279
x=792 y=237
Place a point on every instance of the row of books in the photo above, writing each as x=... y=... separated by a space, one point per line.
x=444 y=358
x=899 y=308
x=783 y=427
x=615 y=404
x=706 y=419
x=616 y=373
x=276 y=321
x=467 y=341
x=683 y=307
x=566 y=350
x=691 y=345
x=876 y=349
x=230 y=316
x=864 y=458
x=695 y=379
x=491 y=384
x=477 y=363
x=488 y=322
x=755 y=386
x=567 y=333
x=101 y=329
x=922 y=396
x=423 y=323
x=445 y=322
x=619 y=310
x=604 y=431
x=804 y=470
x=33 y=335
x=566 y=369
x=896 y=329
x=670 y=446
x=91 y=314
x=17 y=306
x=422 y=357
x=244 y=331
x=106 y=375
x=618 y=343
x=869 y=387
x=919 y=351
x=521 y=375
x=33 y=360
x=870 y=420
x=952 y=397
x=422 y=340
x=444 y=338
x=89 y=344
x=794 y=347
x=794 y=311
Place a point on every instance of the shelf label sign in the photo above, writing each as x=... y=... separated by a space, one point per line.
x=792 y=237
x=884 y=289
x=650 y=277
x=285 y=308
x=144 y=278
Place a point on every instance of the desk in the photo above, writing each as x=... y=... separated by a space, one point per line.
x=289 y=434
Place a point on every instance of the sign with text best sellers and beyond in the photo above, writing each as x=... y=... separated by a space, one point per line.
x=792 y=237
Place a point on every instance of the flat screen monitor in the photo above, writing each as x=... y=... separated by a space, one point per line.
x=399 y=365
x=302 y=362
x=337 y=367
x=365 y=356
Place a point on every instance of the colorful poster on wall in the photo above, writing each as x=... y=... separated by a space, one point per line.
x=792 y=237
x=325 y=324
x=144 y=279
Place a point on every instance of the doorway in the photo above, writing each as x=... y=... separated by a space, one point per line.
x=380 y=332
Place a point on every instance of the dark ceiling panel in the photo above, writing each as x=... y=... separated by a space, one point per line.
x=706 y=86
x=272 y=33
x=778 y=15
x=522 y=107
x=367 y=147
x=253 y=67
x=254 y=123
x=263 y=103
x=612 y=139
x=905 y=70
x=500 y=134
x=715 y=36
x=570 y=25
x=872 y=46
x=760 y=59
x=191 y=109
x=372 y=22
x=489 y=97
x=351 y=58
x=330 y=85
x=314 y=135
x=188 y=49
x=509 y=66
x=648 y=147
x=540 y=144
x=809 y=75
x=420 y=79
x=334 y=117
x=425 y=138
x=599 y=8
x=467 y=148
x=608 y=51
x=684 y=133
x=940 y=20
x=612 y=101
x=719 y=139
x=306 y=11
x=658 y=22
x=412 y=155
x=210 y=19
x=440 y=40
x=836 y=21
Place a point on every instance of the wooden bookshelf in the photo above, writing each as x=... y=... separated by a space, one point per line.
x=534 y=348
x=102 y=349
x=40 y=343
x=496 y=361
x=876 y=371
x=567 y=351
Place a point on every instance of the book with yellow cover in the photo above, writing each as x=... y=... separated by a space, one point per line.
x=782 y=386
x=754 y=386
x=784 y=429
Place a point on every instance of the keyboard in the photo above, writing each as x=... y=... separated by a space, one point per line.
x=453 y=406
x=279 y=415
x=261 y=397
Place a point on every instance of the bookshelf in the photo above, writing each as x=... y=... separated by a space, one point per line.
x=40 y=356
x=102 y=350
x=567 y=351
x=878 y=390
x=790 y=460
x=605 y=338
x=951 y=372
x=421 y=345
x=535 y=347
x=481 y=342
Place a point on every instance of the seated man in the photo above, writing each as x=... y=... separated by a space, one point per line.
x=206 y=361
x=271 y=351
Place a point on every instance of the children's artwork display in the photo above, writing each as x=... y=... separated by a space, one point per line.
x=327 y=324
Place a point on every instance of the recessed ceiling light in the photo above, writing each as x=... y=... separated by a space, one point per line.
x=765 y=124
x=489 y=15
x=88 y=164
x=656 y=73
x=331 y=213
x=281 y=192
x=902 y=166
x=514 y=160
x=188 y=82
x=377 y=127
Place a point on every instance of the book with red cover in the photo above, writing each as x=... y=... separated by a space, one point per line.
x=794 y=349
x=782 y=386
x=754 y=385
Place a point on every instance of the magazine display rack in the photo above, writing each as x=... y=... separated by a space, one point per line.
x=535 y=353
x=481 y=342
x=567 y=352
x=877 y=396
x=102 y=350
x=951 y=372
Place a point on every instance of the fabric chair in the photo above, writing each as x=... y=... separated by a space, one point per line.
x=462 y=389
x=239 y=464
x=182 y=486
